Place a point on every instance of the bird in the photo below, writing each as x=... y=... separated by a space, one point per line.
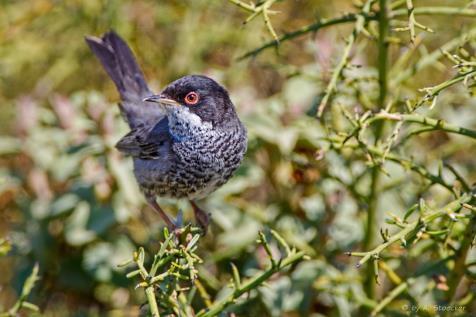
x=185 y=141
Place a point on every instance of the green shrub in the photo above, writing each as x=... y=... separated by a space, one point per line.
x=361 y=126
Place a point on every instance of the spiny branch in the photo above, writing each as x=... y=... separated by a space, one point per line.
x=255 y=10
x=344 y=60
x=412 y=228
x=241 y=287
x=26 y=290
x=412 y=23
x=352 y=17
x=434 y=124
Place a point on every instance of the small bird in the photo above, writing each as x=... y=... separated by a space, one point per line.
x=185 y=141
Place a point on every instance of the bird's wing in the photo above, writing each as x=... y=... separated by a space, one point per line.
x=119 y=62
x=148 y=143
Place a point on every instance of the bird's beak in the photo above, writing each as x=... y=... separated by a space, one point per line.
x=162 y=100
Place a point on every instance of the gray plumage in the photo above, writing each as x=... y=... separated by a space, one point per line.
x=185 y=142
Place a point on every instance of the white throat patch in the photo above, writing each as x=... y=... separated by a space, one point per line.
x=183 y=123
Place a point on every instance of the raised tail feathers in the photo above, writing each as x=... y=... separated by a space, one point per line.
x=119 y=62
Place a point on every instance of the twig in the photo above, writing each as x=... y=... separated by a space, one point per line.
x=268 y=24
x=322 y=23
x=461 y=254
x=331 y=87
x=150 y=294
x=391 y=296
x=402 y=287
x=26 y=290
x=413 y=227
x=412 y=23
x=241 y=4
x=352 y=17
x=431 y=58
x=253 y=283
x=432 y=92
x=458 y=176
x=263 y=9
x=174 y=262
x=451 y=11
x=434 y=124
x=337 y=143
x=375 y=175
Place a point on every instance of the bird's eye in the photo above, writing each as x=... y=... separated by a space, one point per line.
x=192 y=98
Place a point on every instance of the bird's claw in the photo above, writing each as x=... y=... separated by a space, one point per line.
x=203 y=220
x=178 y=222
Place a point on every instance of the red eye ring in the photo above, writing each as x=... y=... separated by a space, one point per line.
x=192 y=98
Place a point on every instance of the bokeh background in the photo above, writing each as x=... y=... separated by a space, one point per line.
x=68 y=200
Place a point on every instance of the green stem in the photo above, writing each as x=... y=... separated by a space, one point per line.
x=150 y=293
x=436 y=179
x=323 y=23
x=262 y=9
x=391 y=296
x=267 y=21
x=408 y=164
x=434 y=124
x=26 y=290
x=331 y=87
x=253 y=283
x=243 y=5
x=411 y=20
x=383 y=52
x=435 y=90
x=431 y=58
x=371 y=228
x=403 y=286
x=352 y=17
x=452 y=11
x=414 y=227
x=461 y=254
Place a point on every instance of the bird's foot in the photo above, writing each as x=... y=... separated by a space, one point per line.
x=203 y=220
x=202 y=217
x=168 y=221
x=177 y=223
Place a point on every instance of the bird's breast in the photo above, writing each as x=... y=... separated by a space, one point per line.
x=213 y=153
x=201 y=165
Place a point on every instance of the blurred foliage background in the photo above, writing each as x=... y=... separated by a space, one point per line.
x=68 y=200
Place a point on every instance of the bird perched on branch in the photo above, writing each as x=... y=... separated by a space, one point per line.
x=185 y=141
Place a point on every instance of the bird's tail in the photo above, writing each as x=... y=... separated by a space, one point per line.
x=119 y=62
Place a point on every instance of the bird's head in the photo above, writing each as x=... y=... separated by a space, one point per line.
x=198 y=96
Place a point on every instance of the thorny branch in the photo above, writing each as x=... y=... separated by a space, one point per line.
x=173 y=271
x=262 y=8
x=241 y=287
x=412 y=228
x=22 y=300
x=412 y=23
x=344 y=60
x=352 y=17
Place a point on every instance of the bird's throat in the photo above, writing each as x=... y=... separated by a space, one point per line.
x=185 y=125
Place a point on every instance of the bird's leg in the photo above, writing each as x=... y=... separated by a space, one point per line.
x=153 y=203
x=203 y=218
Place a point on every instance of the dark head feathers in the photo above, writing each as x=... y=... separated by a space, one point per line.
x=214 y=103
